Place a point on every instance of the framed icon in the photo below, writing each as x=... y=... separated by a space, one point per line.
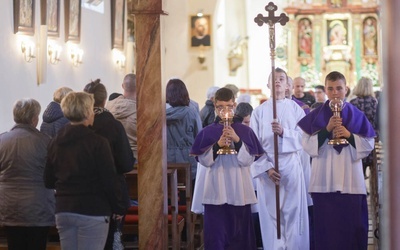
x=24 y=17
x=117 y=24
x=200 y=31
x=72 y=20
x=53 y=18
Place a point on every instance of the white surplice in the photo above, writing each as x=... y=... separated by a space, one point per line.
x=226 y=180
x=293 y=198
x=331 y=171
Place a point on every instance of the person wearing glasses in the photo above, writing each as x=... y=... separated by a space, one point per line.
x=320 y=96
x=225 y=188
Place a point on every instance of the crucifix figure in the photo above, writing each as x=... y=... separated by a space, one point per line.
x=271 y=20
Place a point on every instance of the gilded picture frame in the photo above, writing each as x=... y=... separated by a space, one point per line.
x=337 y=32
x=24 y=17
x=117 y=24
x=73 y=12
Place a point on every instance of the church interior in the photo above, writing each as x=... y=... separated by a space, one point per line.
x=68 y=43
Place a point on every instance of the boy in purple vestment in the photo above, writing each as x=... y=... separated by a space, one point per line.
x=227 y=193
x=337 y=183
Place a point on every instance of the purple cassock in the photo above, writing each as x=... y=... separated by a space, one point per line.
x=346 y=214
x=209 y=135
x=301 y=104
x=227 y=226
x=352 y=118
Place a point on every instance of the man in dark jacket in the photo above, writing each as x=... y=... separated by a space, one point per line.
x=207 y=113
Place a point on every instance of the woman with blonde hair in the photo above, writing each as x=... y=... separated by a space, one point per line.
x=366 y=102
x=53 y=117
x=80 y=167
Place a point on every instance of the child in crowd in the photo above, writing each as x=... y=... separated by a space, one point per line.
x=337 y=183
x=228 y=190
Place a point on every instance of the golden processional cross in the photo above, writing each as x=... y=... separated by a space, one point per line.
x=271 y=20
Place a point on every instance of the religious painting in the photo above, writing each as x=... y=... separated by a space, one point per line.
x=72 y=20
x=337 y=32
x=24 y=17
x=305 y=38
x=131 y=29
x=200 y=31
x=337 y=3
x=117 y=24
x=53 y=18
x=370 y=36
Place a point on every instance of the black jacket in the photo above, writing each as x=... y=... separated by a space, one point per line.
x=107 y=126
x=80 y=167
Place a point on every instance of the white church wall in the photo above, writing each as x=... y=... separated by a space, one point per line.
x=232 y=33
x=259 y=50
x=19 y=78
x=230 y=20
x=179 y=59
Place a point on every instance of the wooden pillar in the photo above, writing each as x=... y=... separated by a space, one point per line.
x=151 y=135
x=391 y=74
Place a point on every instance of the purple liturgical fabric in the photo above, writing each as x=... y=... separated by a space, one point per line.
x=352 y=118
x=209 y=135
x=228 y=227
x=301 y=104
x=340 y=210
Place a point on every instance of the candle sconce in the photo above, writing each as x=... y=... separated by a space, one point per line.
x=28 y=51
x=54 y=53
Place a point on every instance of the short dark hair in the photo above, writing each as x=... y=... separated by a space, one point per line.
x=176 y=93
x=321 y=87
x=98 y=90
x=224 y=94
x=334 y=76
x=243 y=109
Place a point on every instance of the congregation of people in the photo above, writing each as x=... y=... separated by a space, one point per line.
x=70 y=173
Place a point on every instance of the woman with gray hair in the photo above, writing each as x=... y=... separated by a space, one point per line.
x=53 y=117
x=26 y=206
x=81 y=169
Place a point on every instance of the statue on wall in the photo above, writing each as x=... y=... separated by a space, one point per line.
x=370 y=36
x=236 y=54
x=305 y=37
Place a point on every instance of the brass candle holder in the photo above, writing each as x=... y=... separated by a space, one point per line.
x=226 y=115
x=336 y=106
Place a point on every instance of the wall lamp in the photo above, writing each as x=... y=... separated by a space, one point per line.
x=76 y=55
x=201 y=57
x=119 y=58
x=54 y=53
x=28 y=50
x=200 y=13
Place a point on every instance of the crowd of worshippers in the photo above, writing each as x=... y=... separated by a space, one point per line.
x=70 y=172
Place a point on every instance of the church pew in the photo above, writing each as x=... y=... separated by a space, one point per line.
x=175 y=221
x=185 y=184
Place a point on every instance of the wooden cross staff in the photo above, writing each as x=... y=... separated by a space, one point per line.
x=271 y=20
